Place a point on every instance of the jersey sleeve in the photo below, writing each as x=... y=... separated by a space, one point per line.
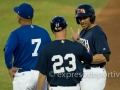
x=8 y=52
x=100 y=43
x=42 y=62
x=12 y=41
x=9 y=48
x=86 y=56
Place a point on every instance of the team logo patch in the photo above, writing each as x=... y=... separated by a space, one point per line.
x=80 y=11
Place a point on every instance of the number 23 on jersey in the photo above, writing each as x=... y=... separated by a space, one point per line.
x=61 y=61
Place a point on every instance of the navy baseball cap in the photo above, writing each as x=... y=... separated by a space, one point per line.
x=25 y=10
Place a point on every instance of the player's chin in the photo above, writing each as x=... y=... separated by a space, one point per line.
x=84 y=27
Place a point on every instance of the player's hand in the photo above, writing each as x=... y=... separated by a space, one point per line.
x=74 y=35
x=12 y=71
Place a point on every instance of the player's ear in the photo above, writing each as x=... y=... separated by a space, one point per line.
x=18 y=17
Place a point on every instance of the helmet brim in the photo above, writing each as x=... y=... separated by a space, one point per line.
x=81 y=15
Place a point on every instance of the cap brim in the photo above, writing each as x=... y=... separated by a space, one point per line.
x=16 y=9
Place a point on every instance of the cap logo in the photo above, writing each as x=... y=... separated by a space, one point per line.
x=28 y=16
x=18 y=11
x=57 y=25
x=80 y=11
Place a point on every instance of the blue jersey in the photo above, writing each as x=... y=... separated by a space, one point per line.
x=26 y=43
x=95 y=40
x=60 y=61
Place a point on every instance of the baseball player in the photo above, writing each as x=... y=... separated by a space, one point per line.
x=60 y=62
x=25 y=43
x=95 y=40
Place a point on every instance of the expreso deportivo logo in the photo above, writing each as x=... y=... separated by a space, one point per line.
x=112 y=74
x=66 y=75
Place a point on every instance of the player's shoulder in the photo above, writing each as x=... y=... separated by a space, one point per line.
x=20 y=29
x=49 y=44
x=73 y=43
x=48 y=47
x=16 y=31
x=82 y=31
x=78 y=45
x=55 y=43
x=42 y=30
x=39 y=27
x=27 y=28
x=97 y=30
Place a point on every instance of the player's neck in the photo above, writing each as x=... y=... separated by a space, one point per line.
x=91 y=26
x=60 y=35
x=60 y=38
x=26 y=23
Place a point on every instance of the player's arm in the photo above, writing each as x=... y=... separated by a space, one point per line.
x=101 y=48
x=8 y=60
x=99 y=58
x=96 y=59
x=86 y=57
x=8 y=53
x=9 y=48
x=41 y=80
x=41 y=66
x=74 y=35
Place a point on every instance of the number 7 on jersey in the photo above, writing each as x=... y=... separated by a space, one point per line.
x=38 y=41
